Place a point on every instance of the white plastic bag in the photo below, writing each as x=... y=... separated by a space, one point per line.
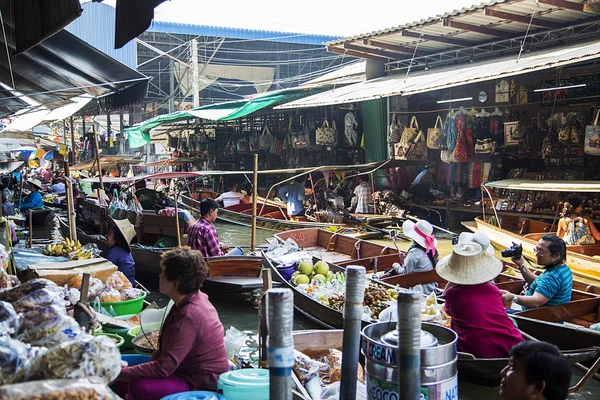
x=332 y=392
x=234 y=340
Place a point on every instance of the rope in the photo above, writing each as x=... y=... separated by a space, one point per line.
x=413 y=56
x=537 y=5
x=12 y=78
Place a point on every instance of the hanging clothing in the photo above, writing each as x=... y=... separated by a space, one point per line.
x=453 y=125
x=578 y=233
x=497 y=129
x=483 y=137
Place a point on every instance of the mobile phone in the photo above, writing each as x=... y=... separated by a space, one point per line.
x=454 y=240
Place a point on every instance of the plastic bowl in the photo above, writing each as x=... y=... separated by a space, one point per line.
x=135 y=359
x=119 y=340
x=126 y=307
x=133 y=332
x=121 y=331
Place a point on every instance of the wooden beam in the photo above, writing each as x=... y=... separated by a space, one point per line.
x=387 y=46
x=568 y=5
x=433 y=38
x=523 y=19
x=367 y=50
x=479 y=29
x=356 y=54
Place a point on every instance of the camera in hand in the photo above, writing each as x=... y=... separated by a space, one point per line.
x=515 y=250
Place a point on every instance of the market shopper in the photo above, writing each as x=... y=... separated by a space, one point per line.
x=191 y=351
x=535 y=371
x=422 y=256
x=58 y=186
x=293 y=194
x=85 y=186
x=231 y=197
x=147 y=197
x=574 y=227
x=364 y=196
x=118 y=242
x=34 y=199
x=423 y=183
x=553 y=286
x=203 y=235
x=475 y=303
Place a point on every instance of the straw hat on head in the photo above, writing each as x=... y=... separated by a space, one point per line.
x=84 y=173
x=477 y=237
x=94 y=195
x=469 y=264
x=36 y=182
x=421 y=233
x=126 y=228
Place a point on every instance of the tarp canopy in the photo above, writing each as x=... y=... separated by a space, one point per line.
x=436 y=79
x=139 y=135
x=105 y=162
x=546 y=186
x=168 y=162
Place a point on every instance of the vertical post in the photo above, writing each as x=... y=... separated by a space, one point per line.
x=353 y=310
x=195 y=73
x=171 y=87
x=373 y=191
x=280 y=343
x=254 y=201
x=30 y=213
x=409 y=345
x=177 y=218
x=73 y=151
x=70 y=204
x=98 y=159
x=108 y=127
x=84 y=132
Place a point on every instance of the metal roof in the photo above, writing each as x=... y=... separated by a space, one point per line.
x=237 y=33
x=425 y=81
x=546 y=186
x=488 y=22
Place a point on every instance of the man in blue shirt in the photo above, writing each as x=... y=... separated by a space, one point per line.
x=293 y=195
x=423 y=183
x=553 y=286
x=34 y=199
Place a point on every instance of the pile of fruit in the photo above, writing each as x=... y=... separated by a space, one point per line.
x=376 y=297
x=307 y=273
x=62 y=249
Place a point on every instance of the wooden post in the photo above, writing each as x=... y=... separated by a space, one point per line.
x=254 y=200
x=73 y=152
x=98 y=159
x=70 y=204
x=30 y=229
x=177 y=219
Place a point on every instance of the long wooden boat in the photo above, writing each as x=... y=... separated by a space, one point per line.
x=271 y=217
x=583 y=260
x=62 y=206
x=341 y=247
x=227 y=274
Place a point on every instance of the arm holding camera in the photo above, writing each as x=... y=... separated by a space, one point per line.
x=527 y=274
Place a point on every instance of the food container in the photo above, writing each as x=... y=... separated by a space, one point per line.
x=118 y=339
x=135 y=359
x=200 y=395
x=126 y=307
x=286 y=271
x=243 y=384
x=137 y=334
x=121 y=331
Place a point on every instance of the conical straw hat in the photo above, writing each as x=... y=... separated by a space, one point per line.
x=469 y=264
x=126 y=228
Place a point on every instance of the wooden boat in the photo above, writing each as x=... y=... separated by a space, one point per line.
x=583 y=260
x=39 y=217
x=227 y=274
x=271 y=217
x=62 y=206
x=339 y=247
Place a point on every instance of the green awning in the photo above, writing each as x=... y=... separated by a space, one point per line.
x=139 y=135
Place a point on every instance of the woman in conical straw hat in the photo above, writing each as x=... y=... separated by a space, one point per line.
x=422 y=254
x=475 y=303
x=118 y=242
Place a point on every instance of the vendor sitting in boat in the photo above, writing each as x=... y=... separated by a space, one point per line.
x=203 y=235
x=146 y=197
x=191 y=352
x=574 y=227
x=118 y=242
x=293 y=195
x=553 y=286
x=475 y=303
x=34 y=199
x=232 y=197
x=422 y=256
x=58 y=186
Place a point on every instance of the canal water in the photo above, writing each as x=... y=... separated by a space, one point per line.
x=239 y=311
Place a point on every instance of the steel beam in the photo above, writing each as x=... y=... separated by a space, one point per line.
x=522 y=19
x=477 y=28
x=440 y=39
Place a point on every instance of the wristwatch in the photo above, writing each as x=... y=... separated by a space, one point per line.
x=515 y=299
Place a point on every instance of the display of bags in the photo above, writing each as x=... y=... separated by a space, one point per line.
x=395 y=131
x=433 y=134
x=243 y=146
x=408 y=136
x=266 y=139
x=418 y=149
x=326 y=135
x=592 y=137
x=253 y=142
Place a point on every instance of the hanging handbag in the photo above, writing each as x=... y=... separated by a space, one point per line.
x=395 y=131
x=253 y=142
x=326 y=135
x=592 y=137
x=446 y=156
x=276 y=147
x=408 y=136
x=433 y=134
x=266 y=139
x=418 y=149
x=243 y=147
x=442 y=141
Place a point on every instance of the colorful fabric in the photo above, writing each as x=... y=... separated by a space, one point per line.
x=497 y=129
x=191 y=347
x=123 y=259
x=363 y=194
x=555 y=283
x=451 y=126
x=578 y=234
x=203 y=236
x=478 y=318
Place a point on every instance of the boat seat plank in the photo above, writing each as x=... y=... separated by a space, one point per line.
x=564 y=312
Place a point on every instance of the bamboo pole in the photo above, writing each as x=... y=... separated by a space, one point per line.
x=73 y=152
x=177 y=219
x=30 y=229
x=101 y=190
x=70 y=205
x=254 y=202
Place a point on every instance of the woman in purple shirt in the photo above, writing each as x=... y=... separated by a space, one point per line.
x=119 y=253
x=191 y=351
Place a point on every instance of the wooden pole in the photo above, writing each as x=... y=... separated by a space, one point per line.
x=254 y=200
x=30 y=229
x=98 y=159
x=177 y=219
x=73 y=152
x=70 y=204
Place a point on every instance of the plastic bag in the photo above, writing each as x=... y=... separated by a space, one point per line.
x=131 y=294
x=9 y=320
x=37 y=299
x=89 y=356
x=13 y=294
x=52 y=332
x=234 y=340
x=332 y=392
x=40 y=316
x=113 y=206
x=75 y=389
x=95 y=287
x=118 y=281
x=16 y=360
x=109 y=295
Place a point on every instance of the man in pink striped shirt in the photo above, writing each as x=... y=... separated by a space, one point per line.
x=203 y=235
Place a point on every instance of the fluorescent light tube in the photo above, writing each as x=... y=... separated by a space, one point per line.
x=560 y=87
x=455 y=100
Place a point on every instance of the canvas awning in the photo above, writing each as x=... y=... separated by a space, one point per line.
x=105 y=162
x=546 y=186
x=427 y=81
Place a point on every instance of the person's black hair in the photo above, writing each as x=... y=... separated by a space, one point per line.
x=119 y=238
x=299 y=179
x=544 y=362
x=186 y=266
x=556 y=246
x=232 y=185
x=364 y=178
x=570 y=206
x=207 y=205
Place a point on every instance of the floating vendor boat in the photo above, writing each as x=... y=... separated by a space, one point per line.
x=583 y=260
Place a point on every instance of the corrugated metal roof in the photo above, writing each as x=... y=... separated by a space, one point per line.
x=546 y=186
x=96 y=26
x=250 y=34
x=426 y=81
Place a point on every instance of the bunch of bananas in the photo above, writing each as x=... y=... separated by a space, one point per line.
x=63 y=248
x=82 y=254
